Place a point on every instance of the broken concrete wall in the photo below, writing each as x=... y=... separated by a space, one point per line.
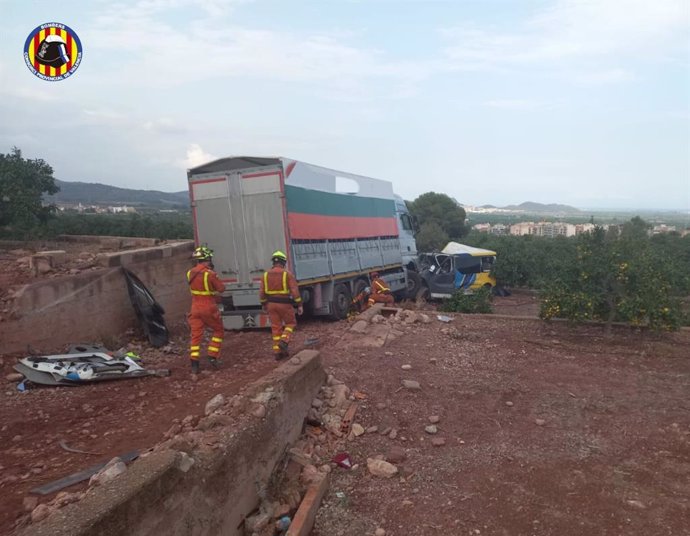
x=94 y=305
x=160 y=494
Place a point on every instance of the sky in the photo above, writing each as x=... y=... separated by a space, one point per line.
x=582 y=102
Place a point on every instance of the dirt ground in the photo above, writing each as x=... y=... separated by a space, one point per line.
x=113 y=418
x=548 y=429
x=612 y=455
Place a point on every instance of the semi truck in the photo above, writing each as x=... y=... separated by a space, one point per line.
x=335 y=227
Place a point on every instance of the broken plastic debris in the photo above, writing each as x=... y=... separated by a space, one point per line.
x=343 y=460
x=444 y=318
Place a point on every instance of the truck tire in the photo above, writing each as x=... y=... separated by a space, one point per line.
x=414 y=283
x=341 y=302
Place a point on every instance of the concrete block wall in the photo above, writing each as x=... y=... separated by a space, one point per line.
x=92 y=305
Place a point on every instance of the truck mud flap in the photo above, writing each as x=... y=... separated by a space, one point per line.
x=245 y=320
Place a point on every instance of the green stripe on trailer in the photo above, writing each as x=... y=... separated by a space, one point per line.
x=305 y=201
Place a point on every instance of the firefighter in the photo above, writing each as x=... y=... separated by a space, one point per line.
x=279 y=295
x=380 y=293
x=206 y=288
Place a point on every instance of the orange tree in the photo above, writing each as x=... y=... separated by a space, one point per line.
x=618 y=276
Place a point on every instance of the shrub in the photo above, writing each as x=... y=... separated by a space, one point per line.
x=478 y=301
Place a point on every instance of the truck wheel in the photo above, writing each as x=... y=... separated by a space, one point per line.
x=414 y=283
x=341 y=302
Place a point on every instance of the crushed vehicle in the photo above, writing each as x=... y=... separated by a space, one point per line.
x=456 y=268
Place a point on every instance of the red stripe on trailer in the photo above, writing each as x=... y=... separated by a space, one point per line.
x=206 y=181
x=256 y=175
x=319 y=227
x=289 y=168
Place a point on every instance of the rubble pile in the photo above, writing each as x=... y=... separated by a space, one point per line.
x=379 y=326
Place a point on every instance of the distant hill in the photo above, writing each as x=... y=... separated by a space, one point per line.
x=89 y=193
x=540 y=208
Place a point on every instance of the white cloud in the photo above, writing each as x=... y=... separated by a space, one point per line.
x=577 y=35
x=157 y=53
x=196 y=156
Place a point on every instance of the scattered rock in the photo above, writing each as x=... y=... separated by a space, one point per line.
x=14 y=377
x=372 y=429
x=433 y=360
x=360 y=326
x=407 y=502
x=341 y=394
x=316 y=403
x=40 y=513
x=393 y=434
x=411 y=385
x=111 y=471
x=380 y=532
x=438 y=441
x=406 y=367
x=381 y=406
x=310 y=474
x=295 y=361
x=381 y=468
x=213 y=404
x=540 y=422
x=636 y=504
x=260 y=411
x=424 y=318
x=357 y=429
x=185 y=462
x=434 y=419
x=509 y=404
x=386 y=430
x=325 y=468
x=378 y=319
x=431 y=429
x=396 y=454
x=17 y=438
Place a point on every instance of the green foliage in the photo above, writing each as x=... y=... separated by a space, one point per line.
x=527 y=261
x=618 y=276
x=441 y=210
x=431 y=237
x=479 y=301
x=165 y=226
x=22 y=185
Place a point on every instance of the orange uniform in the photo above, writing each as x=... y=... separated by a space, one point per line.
x=205 y=288
x=279 y=293
x=380 y=293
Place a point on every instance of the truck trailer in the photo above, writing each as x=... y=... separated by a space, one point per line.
x=335 y=228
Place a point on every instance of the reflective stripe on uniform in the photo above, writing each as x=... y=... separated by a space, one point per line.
x=216 y=339
x=284 y=290
x=206 y=292
x=276 y=338
x=289 y=329
x=213 y=349
x=195 y=347
x=194 y=354
x=381 y=286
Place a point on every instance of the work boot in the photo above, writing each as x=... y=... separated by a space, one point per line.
x=214 y=362
x=283 y=345
x=195 y=366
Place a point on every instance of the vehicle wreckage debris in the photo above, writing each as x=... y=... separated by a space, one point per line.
x=80 y=476
x=66 y=447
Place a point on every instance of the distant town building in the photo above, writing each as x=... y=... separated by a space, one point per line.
x=663 y=229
